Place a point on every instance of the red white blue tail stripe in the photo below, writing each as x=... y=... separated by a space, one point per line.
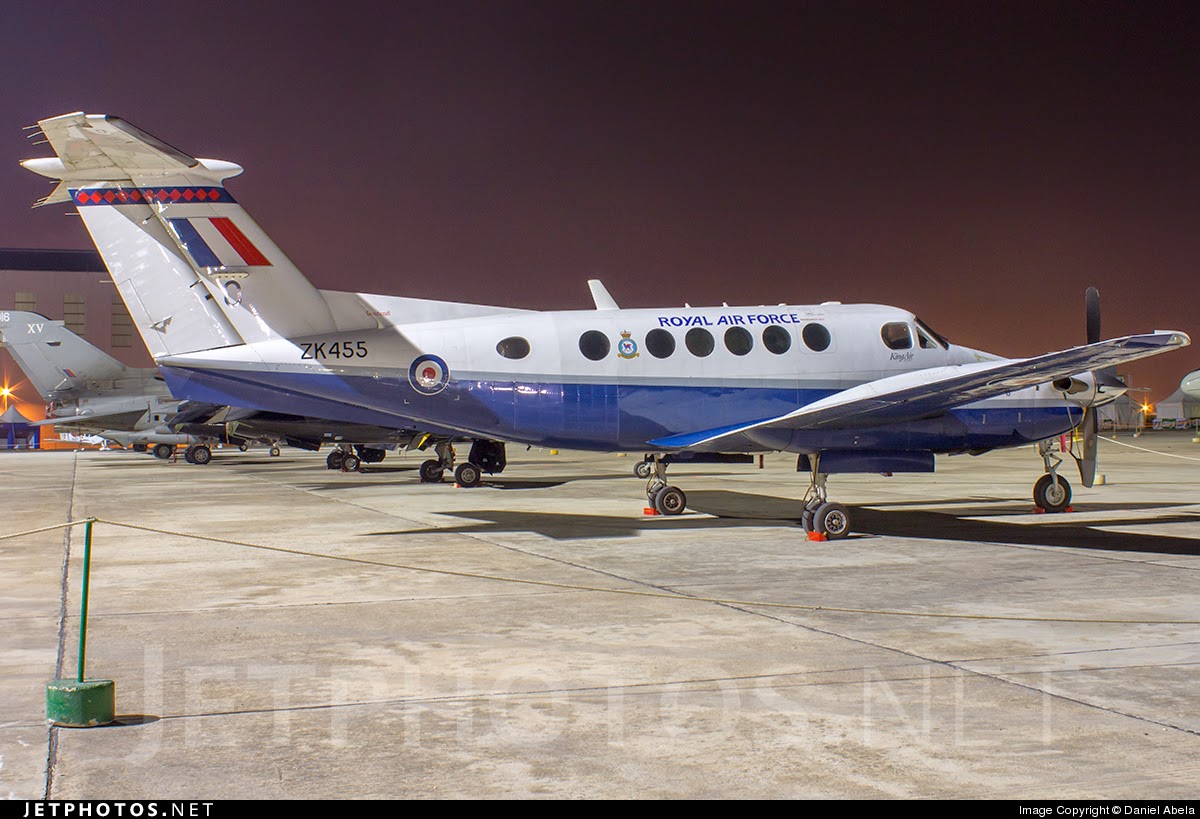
x=215 y=241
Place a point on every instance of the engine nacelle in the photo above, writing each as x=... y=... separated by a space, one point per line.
x=1084 y=389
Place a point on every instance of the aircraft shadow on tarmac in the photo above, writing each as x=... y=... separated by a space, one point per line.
x=735 y=509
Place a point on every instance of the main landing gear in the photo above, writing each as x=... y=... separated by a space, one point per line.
x=821 y=515
x=343 y=458
x=1051 y=493
x=198 y=454
x=665 y=499
x=485 y=457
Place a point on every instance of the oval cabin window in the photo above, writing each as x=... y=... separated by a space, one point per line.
x=513 y=347
x=594 y=345
x=660 y=343
x=777 y=340
x=699 y=342
x=738 y=340
x=816 y=337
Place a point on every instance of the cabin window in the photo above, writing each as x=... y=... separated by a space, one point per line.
x=594 y=345
x=777 y=340
x=896 y=335
x=738 y=340
x=699 y=342
x=660 y=343
x=513 y=347
x=816 y=337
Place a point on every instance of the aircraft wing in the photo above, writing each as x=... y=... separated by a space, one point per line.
x=927 y=393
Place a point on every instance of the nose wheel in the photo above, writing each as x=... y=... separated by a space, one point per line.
x=1052 y=492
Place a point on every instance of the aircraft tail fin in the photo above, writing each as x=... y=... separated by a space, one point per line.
x=195 y=271
x=53 y=358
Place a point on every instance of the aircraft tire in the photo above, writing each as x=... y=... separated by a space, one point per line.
x=1051 y=498
x=334 y=460
x=189 y=454
x=275 y=452
x=351 y=463
x=643 y=469
x=244 y=447
x=201 y=455
x=468 y=474
x=163 y=451
x=431 y=471
x=809 y=514
x=670 y=500
x=832 y=520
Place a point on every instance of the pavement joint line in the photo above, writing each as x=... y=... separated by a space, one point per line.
x=52 y=730
x=637 y=687
x=1080 y=651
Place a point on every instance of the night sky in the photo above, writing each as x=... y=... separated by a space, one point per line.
x=980 y=163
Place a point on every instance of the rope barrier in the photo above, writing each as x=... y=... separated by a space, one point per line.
x=1151 y=451
x=608 y=590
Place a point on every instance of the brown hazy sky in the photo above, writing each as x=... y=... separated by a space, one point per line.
x=979 y=163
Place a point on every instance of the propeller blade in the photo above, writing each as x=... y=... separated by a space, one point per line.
x=1089 y=430
x=1092 y=299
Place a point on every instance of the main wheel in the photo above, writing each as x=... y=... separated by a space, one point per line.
x=244 y=447
x=189 y=454
x=670 y=500
x=468 y=474
x=1050 y=496
x=350 y=463
x=201 y=455
x=643 y=469
x=334 y=459
x=431 y=471
x=832 y=520
x=163 y=451
x=275 y=452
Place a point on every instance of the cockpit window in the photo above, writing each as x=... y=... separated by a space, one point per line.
x=896 y=335
x=938 y=338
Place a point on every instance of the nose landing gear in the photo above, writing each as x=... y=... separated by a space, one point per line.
x=1051 y=493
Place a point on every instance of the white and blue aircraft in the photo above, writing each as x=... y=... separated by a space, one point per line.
x=850 y=388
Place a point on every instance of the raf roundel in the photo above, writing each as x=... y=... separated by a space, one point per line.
x=428 y=375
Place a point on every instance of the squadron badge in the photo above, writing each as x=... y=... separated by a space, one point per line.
x=627 y=347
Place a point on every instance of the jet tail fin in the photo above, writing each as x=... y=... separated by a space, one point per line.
x=195 y=271
x=53 y=358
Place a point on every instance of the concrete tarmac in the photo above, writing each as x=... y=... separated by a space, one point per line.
x=381 y=646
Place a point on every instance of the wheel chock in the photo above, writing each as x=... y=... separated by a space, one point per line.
x=818 y=537
x=650 y=510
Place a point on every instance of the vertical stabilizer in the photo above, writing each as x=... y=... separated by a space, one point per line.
x=53 y=358
x=195 y=271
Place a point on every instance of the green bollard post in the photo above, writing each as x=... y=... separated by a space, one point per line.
x=82 y=703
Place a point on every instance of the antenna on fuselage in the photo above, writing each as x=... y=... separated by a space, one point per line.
x=601 y=296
